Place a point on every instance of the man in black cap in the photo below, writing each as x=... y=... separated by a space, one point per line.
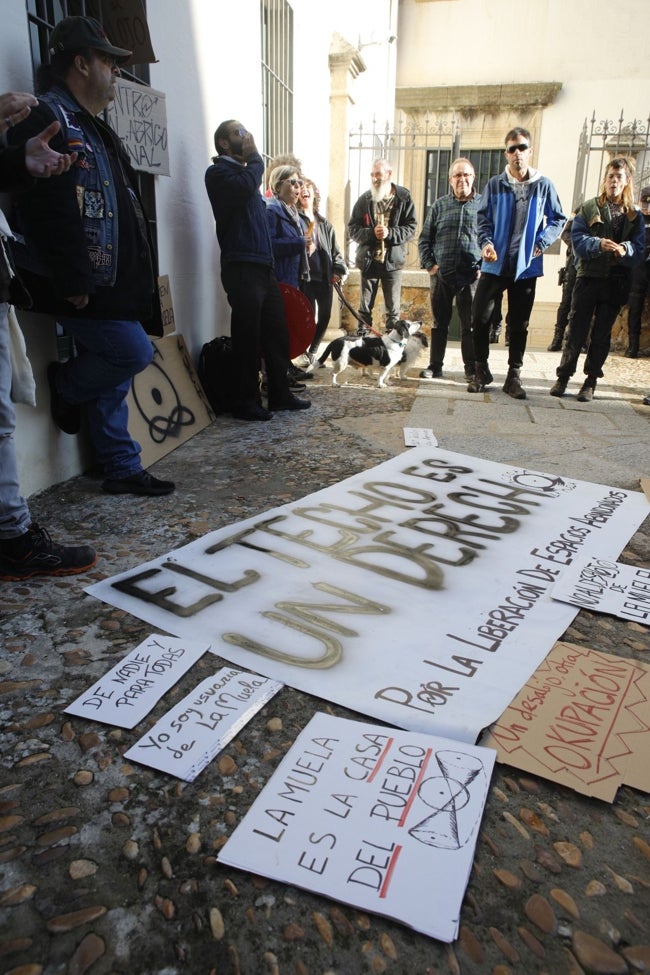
x=87 y=256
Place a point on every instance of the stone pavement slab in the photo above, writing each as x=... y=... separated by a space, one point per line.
x=109 y=868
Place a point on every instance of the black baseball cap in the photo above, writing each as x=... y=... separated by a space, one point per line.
x=72 y=34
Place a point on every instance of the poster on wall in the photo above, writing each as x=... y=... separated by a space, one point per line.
x=384 y=820
x=417 y=592
x=139 y=116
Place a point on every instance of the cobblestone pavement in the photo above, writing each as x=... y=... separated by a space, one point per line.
x=106 y=867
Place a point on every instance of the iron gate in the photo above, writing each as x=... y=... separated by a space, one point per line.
x=599 y=142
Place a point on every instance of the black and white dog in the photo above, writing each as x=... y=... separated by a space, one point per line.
x=401 y=346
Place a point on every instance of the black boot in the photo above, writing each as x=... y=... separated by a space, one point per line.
x=482 y=377
x=633 y=347
x=512 y=386
x=558 y=337
x=586 y=394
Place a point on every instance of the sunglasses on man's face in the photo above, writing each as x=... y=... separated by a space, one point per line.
x=294 y=182
x=520 y=148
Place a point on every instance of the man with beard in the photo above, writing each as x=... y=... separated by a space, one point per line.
x=257 y=321
x=383 y=220
x=449 y=251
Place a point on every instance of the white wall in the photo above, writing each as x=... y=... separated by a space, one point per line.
x=209 y=69
x=598 y=52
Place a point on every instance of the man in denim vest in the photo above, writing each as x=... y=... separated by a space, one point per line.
x=87 y=256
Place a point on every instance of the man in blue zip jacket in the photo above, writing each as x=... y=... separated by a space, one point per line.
x=520 y=215
x=258 y=323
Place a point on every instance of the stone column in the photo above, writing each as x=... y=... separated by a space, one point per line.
x=345 y=65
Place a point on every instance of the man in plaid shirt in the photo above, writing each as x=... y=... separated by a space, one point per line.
x=449 y=251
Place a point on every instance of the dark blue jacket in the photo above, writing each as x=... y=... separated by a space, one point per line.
x=239 y=210
x=288 y=242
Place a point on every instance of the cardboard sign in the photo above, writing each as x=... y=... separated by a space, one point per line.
x=126 y=25
x=127 y=693
x=583 y=720
x=606 y=587
x=166 y=402
x=139 y=116
x=166 y=305
x=188 y=737
x=384 y=820
x=417 y=591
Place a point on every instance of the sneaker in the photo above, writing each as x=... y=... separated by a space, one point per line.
x=431 y=373
x=294 y=372
x=646 y=400
x=35 y=554
x=67 y=416
x=295 y=385
x=142 y=483
x=291 y=403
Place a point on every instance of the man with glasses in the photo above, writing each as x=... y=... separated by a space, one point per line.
x=87 y=256
x=383 y=220
x=449 y=251
x=519 y=216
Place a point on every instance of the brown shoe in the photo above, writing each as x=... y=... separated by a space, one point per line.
x=586 y=394
x=512 y=386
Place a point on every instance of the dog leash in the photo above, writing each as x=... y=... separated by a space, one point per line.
x=368 y=328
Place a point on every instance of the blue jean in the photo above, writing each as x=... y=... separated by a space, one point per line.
x=111 y=353
x=391 y=286
x=14 y=513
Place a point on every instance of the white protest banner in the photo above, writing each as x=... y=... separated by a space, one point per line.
x=606 y=587
x=384 y=820
x=417 y=592
x=195 y=730
x=419 y=437
x=126 y=694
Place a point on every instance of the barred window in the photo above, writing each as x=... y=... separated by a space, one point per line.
x=277 y=76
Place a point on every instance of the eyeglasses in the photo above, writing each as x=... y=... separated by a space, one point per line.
x=294 y=182
x=108 y=60
x=462 y=175
x=522 y=147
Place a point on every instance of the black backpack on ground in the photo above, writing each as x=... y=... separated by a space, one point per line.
x=216 y=374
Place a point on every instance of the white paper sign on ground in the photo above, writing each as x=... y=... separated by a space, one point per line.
x=419 y=437
x=606 y=587
x=195 y=730
x=126 y=694
x=417 y=592
x=384 y=820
